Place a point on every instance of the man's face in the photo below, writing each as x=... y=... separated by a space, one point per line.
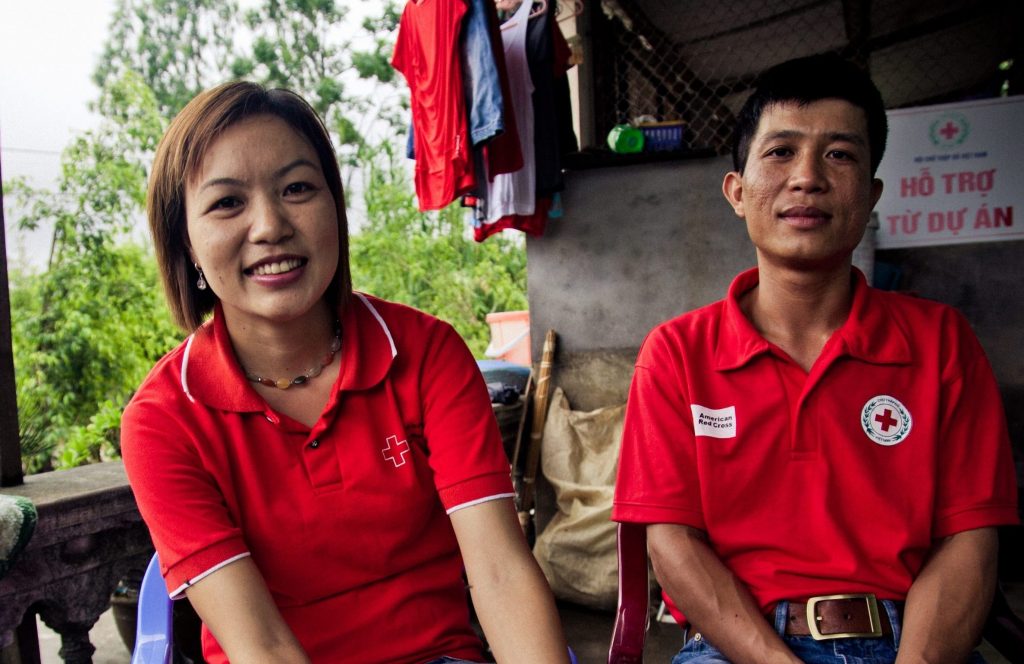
x=807 y=192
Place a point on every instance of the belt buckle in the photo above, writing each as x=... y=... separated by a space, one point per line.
x=873 y=620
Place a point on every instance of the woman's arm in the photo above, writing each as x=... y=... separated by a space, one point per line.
x=236 y=606
x=510 y=594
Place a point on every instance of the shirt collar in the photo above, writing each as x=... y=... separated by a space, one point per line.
x=870 y=332
x=211 y=373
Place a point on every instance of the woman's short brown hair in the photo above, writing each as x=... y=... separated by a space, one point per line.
x=179 y=157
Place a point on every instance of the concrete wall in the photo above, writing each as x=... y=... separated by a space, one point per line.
x=637 y=245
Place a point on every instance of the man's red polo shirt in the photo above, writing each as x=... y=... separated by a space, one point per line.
x=835 y=481
x=346 y=521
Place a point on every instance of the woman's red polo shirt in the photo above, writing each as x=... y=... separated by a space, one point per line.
x=346 y=521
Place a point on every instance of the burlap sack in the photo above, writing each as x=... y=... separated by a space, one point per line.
x=576 y=550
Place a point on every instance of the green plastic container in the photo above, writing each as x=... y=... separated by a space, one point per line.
x=625 y=139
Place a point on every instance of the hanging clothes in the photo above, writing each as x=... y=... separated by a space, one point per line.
x=540 y=53
x=515 y=193
x=427 y=55
x=531 y=224
x=563 y=62
x=484 y=96
x=492 y=124
x=502 y=153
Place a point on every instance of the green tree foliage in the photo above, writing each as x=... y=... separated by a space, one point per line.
x=88 y=329
x=177 y=47
x=429 y=261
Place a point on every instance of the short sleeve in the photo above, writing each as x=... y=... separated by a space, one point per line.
x=657 y=479
x=466 y=453
x=399 y=59
x=179 y=500
x=977 y=483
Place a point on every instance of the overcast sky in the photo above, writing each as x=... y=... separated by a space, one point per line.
x=48 y=49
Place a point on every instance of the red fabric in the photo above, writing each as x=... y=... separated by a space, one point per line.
x=799 y=501
x=426 y=52
x=562 y=52
x=502 y=152
x=533 y=224
x=345 y=521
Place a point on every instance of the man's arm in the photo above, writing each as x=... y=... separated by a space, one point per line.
x=713 y=599
x=949 y=600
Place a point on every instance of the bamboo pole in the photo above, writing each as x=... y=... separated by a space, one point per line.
x=540 y=413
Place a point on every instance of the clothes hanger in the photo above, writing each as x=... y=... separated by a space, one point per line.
x=534 y=13
x=577 y=9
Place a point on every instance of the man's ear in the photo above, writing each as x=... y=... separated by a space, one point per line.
x=876 y=192
x=732 y=189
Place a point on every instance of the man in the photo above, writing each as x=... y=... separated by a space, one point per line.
x=809 y=436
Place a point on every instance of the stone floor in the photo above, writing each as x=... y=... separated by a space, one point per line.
x=587 y=630
x=109 y=647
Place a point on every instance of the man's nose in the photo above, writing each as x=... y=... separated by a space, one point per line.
x=808 y=173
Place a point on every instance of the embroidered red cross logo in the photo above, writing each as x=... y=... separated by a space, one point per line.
x=886 y=420
x=395 y=451
x=949 y=131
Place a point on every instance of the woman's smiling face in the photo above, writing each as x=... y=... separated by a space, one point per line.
x=262 y=224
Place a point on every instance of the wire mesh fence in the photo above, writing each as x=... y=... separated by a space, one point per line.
x=692 y=62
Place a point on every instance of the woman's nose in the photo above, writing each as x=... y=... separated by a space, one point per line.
x=270 y=222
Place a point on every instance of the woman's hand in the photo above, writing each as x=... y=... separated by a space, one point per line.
x=510 y=594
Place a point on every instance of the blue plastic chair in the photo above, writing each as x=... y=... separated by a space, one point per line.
x=153 y=631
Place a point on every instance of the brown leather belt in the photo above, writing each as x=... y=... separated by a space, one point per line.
x=838 y=617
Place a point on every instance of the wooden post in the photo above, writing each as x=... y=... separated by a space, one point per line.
x=10 y=444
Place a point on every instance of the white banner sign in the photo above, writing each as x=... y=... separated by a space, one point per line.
x=953 y=173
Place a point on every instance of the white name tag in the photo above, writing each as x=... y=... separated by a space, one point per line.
x=714 y=422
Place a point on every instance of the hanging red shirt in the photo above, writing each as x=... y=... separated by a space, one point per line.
x=426 y=52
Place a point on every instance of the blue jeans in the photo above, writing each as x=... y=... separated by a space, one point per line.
x=697 y=650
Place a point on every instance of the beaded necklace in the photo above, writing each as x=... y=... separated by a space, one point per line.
x=285 y=383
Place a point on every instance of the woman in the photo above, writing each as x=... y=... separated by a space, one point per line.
x=312 y=462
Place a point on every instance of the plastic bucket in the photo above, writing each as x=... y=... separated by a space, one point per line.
x=510 y=336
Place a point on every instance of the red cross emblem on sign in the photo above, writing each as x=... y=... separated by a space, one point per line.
x=886 y=420
x=949 y=131
x=395 y=451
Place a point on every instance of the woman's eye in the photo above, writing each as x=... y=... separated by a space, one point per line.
x=226 y=203
x=297 y=188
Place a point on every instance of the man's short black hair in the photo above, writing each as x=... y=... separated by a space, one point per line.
x=806 y=80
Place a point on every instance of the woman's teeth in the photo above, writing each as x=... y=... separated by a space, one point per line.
x=277 y=268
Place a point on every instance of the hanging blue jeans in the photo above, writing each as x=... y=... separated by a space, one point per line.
x=882 y=650
x=480 y=75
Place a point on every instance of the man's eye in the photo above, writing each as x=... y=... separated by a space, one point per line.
x=842 y=155
x=779 y=152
